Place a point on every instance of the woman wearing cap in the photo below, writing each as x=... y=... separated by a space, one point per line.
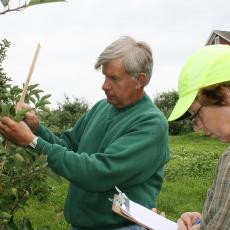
x=204 y=95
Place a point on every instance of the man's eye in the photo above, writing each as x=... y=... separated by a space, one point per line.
x=114 y=78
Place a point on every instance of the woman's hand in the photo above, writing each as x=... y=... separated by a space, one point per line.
x=188 y=220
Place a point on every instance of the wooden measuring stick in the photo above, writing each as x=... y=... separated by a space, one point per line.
x=22 y=98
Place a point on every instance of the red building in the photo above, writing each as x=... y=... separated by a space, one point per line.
x=219 y=37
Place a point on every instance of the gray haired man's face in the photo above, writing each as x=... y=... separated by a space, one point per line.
x=120 y=89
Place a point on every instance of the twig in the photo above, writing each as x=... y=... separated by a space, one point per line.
x=14 y=9
x=22 y=98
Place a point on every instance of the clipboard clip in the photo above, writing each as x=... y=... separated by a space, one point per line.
x=121 y=200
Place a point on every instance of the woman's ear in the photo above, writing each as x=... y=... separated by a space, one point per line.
x=225 y=90
x=141 y=81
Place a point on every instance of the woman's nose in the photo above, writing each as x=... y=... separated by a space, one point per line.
x=197 y=125
x=207 y=132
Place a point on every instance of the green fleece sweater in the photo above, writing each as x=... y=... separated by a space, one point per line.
x=109 y=147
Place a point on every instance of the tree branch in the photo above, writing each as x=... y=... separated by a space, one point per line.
x=14 y=9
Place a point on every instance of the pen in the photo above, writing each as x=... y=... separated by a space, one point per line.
x=197 y=222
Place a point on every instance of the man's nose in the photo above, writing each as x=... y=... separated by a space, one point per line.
x=106 y=85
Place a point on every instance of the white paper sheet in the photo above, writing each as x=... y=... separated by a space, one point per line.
x=148 y=217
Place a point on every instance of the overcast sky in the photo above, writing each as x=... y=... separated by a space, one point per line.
x=73 y=34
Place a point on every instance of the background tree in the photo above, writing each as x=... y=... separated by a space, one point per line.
x=166 y=102
x=66 y=115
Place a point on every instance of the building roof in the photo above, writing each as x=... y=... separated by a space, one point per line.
x=223 y=34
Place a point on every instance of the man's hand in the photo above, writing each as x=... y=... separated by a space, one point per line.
x=17 y=132
x=30 y=119
x=187 y=221
x=161 y=213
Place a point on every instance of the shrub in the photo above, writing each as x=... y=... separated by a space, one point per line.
x=166 y=101
x=65 y=116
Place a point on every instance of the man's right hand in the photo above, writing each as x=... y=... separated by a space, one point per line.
x=30 y=119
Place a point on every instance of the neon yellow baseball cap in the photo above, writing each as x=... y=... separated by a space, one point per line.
x=207 y=66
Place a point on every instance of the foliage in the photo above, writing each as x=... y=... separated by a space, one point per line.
x=22 y=173
x=23 y=4
x=166 y=101
x=3 y=78
x=66 y=115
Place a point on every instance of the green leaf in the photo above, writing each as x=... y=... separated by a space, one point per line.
x=5 y=2
x=19 y=159
x=21 y=114
x=45 y=96
x=36 y=2
x=34 y=91
x=12 y=110
x=27 y=224
x=30 y=87
x=44 y=108
x=32 y=99
x=4 y=215
x=42 y=103
x=37 y=96
x=15 y=90
x=14 y=192
x=5 y=109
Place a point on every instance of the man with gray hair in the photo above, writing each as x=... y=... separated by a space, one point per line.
x=122 y=141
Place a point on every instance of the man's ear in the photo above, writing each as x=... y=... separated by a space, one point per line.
x=141 y=80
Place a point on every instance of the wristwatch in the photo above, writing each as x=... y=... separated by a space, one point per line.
x=33 y=144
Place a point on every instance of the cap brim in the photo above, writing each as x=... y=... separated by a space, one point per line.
x=186 y=115
x=181 y=107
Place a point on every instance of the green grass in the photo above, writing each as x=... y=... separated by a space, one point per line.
x=188 y=175
x=185 y=194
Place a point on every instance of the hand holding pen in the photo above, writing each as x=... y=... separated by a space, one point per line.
x=189 y=221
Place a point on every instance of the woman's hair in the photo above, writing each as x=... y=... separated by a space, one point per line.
x=218 y=94
x=137 y=56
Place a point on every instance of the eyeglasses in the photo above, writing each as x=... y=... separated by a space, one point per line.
x=193 y=115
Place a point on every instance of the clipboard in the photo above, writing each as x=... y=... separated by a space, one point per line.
x=139 y=214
